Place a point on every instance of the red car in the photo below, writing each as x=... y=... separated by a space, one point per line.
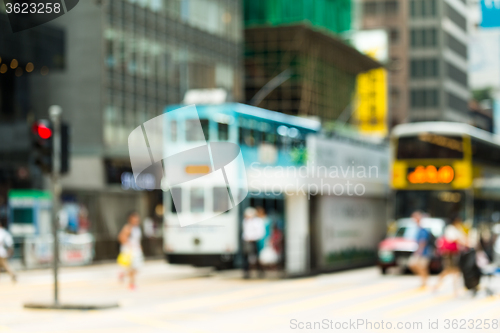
x=398 y=246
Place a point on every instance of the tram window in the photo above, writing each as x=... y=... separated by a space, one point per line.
x=197 y=200
x=298 y=143
x=176 y=192
x=248 y=137
x=173 y=130
x=241 y=134
x=192 y=134
x=221 y=199
x=257 y=136
x=270 y=138
x=223 y=131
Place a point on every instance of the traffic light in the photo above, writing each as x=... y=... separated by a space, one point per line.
x=42 y=145
x=64 y=148
x=43 y=141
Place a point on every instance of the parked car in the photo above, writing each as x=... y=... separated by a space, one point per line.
x=400 y=243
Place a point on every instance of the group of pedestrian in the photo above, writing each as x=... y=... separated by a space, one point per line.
x=450 y=246
x=262 y=241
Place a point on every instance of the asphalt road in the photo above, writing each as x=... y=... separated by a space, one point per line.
x=186 y=300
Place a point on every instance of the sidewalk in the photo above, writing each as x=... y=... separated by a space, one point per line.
x=153 y=270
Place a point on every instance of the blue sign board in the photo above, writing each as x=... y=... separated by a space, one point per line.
x=490 y=10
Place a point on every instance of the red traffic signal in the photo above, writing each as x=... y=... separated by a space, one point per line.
x=42 y=130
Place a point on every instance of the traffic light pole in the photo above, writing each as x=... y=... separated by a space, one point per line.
x=55 y=112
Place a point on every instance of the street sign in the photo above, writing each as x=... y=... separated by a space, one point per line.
x=490 y=10
x=371 y=93
x=370 y=113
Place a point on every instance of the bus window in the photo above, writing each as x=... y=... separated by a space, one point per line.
x=485 y=153
x=191 y=130
x=429 y=145
x=173 y=130
x=197 y=200
x=221 y=199
x=223 y=131
x=176 y=192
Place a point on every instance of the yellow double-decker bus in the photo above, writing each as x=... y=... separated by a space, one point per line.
x=444 y=169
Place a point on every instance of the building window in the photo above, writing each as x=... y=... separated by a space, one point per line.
x=394 y=35
x=395 y=96
x=423 y=8
x=370 y=8
x=423 y=37
x=456 y=17
x=456 y=74
x=431 y=37
x=391 y=7
x=413 y=8
x=433 y=8
x=456 y=45
x=421 y=98
x=457 y=103
x=424 y=68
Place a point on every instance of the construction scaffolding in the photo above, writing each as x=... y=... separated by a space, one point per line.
x=323 y=70
x=331 y=15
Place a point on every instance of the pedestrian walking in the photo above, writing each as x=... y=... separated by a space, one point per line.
x=419 y=261
x=6 y=249
x=131 y=256
x=449 y=246
x=253 y=232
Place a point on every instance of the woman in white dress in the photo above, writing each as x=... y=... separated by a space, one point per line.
x=130 y=240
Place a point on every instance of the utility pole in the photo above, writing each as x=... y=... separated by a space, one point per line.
x=55 y=112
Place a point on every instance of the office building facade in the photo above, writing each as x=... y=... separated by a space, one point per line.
x=127 y=60
x=428 y=79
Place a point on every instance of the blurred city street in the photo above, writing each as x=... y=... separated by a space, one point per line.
x=183 y=299
x=249 y=166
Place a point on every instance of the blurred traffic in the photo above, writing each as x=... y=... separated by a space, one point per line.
x=351 y=144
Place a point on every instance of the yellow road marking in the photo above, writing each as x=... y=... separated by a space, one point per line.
x=238 y=295
x=380 y=302
x=470 y=306
x=275 y=298
x=332 y=298
x=415 y=307
x=161 y=325
x=494 y=312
